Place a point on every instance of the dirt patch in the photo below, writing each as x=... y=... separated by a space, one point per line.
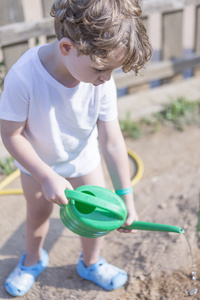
x=159 y=264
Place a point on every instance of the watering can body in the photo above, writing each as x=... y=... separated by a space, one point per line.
x=94 y=211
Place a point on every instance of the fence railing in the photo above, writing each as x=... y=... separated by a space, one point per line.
x=158 y=70
x=159 y=17
x=20 y=32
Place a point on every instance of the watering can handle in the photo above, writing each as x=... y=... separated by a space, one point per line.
x=95 y=201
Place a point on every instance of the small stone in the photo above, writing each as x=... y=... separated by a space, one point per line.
x=162 y=206
x=141 y=277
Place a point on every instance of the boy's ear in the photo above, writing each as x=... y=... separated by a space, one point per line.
x=65 y=46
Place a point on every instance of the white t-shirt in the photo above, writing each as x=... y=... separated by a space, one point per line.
x=61 y=121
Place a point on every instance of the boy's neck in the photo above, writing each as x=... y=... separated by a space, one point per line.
x=50 y=58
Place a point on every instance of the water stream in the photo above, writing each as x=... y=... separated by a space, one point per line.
x=194 y=290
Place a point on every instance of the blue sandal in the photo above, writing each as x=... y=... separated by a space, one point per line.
x=103 y=274
x=22 y=278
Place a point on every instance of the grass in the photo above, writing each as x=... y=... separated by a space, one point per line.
x=177 y=114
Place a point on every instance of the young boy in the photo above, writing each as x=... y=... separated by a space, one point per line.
x=57 y=108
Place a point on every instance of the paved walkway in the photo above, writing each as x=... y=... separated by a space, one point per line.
x=152 y=101
x=146 y=103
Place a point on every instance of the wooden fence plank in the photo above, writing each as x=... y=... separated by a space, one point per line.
x=197 y=30
x=188 y=34
x=156 y=36
x=163 y=6
x=11 y=12
x=11 y=54
x=33 y=15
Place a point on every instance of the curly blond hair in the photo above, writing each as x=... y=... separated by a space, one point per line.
x=97 y=27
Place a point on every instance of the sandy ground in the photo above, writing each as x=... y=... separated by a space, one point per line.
x=159 y=265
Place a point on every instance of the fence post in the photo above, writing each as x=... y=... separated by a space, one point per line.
x=155 y=35
x=31 y=14
x=188 y=34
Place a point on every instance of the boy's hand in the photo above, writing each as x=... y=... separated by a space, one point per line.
x=132 y=216
x=54 y=188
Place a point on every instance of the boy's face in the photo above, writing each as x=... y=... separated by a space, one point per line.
x=88 y=71
x=82 y=68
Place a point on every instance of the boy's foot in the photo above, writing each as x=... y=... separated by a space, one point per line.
x=103 y=274
x=22 y=278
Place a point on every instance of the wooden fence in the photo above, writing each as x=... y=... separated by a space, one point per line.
x=173 y=27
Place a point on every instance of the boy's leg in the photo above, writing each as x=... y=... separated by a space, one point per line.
x=91 y=266
x=37 y=220
x=36 y=259
x=91 y=247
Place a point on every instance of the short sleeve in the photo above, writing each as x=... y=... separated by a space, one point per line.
x=108 y=102
x=14 y=102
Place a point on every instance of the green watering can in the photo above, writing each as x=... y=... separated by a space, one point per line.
x=94 y=211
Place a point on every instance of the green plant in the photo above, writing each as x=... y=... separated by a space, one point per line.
x=180 y=113
x=7 y=165
x=130 y=127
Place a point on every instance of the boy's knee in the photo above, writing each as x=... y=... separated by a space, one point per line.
x=39 y=215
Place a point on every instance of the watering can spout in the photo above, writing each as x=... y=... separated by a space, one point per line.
x=154 y=227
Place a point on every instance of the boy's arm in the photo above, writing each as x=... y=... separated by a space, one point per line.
x=19 y=147
x=114 y=151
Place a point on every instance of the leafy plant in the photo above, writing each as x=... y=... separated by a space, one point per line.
x=130 y=128
x=177 y=114
x=7 y=165
x=180 y=113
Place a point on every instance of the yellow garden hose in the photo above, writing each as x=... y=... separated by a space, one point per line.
x=139 y=167
x=6 y=181
x=136 y=177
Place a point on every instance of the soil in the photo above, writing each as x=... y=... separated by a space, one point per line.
x=159 y=264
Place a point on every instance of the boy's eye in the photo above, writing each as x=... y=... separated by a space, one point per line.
x=98 y=70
